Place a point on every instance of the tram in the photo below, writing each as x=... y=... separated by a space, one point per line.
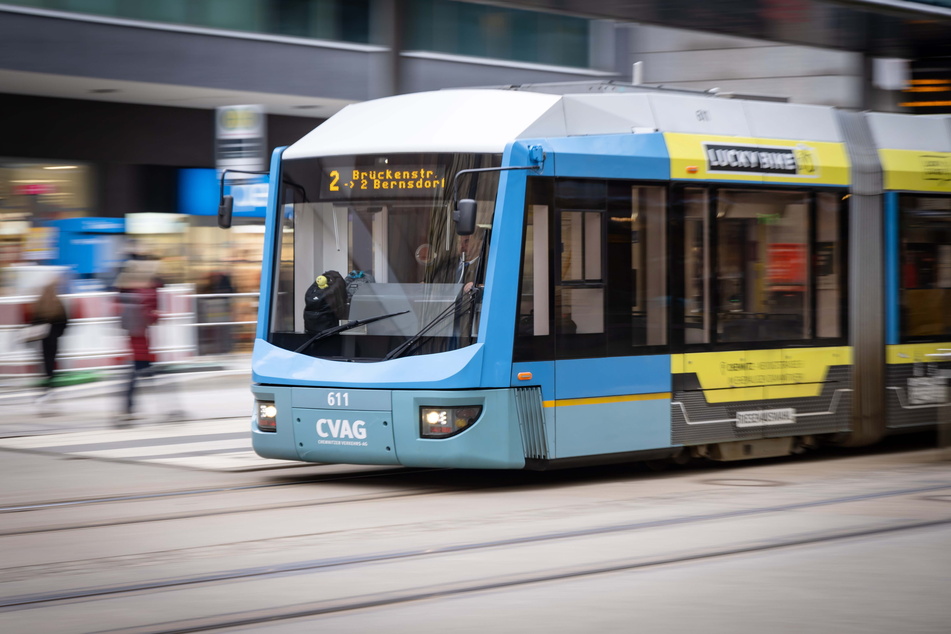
x=554 y=275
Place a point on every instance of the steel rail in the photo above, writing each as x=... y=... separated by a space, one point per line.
x=320 y=608
x=27 y=601
x=189 y=492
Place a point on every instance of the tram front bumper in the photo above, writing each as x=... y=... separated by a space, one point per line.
x=384 y=427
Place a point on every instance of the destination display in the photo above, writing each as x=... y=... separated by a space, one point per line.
x=389 y=182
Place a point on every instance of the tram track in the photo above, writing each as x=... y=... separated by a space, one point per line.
x=216 y=513
x=393 y=599
x=311 y=566
x=167 y=495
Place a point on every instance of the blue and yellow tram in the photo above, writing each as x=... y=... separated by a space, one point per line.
x=566 y=274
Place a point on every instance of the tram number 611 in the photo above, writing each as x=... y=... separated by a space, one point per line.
x=338 y=399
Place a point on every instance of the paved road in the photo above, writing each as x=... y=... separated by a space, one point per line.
x=195 y=420
x=858 y=544
x=178 y=526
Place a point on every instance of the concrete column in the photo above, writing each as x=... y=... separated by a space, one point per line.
x=386 y=29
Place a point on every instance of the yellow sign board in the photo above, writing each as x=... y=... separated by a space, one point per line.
x=750 y=375
x=917 y=352
x=914 y=171
x=728 y=158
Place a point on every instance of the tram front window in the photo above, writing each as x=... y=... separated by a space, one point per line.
x=370 y=266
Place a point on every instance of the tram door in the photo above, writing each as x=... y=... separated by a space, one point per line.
x=593 y=314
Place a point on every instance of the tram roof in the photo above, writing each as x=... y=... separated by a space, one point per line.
x=486 y=120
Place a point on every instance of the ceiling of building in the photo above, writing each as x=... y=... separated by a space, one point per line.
x=96 y=89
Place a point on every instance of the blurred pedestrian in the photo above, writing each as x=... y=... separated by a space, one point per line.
x=138 y=285
x=216 y=310
x=49 y=311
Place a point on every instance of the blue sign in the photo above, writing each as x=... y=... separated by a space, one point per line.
x=91 y=246
x=91 y=225
x=199 y=192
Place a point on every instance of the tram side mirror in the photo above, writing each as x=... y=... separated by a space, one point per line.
x=465 y=217
x=225 y=209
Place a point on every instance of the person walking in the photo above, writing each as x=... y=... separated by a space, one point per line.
x=50 y=310
x=138 y=286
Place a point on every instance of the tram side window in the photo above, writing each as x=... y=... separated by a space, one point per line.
x=648 y=305
x=284 y=303
x=578 y=280
x=925 y=267
x=762 y=275
x=696 y=265
x=581 y=291
x=828 y=266
x=533 y=340
x=594 y=271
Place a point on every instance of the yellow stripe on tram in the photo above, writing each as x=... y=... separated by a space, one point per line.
x=602 y=400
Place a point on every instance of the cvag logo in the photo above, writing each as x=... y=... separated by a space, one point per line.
x=341 y=428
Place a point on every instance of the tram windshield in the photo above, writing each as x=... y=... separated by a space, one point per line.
x=369 y=263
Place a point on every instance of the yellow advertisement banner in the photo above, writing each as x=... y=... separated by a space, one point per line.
x=750 y=375
x=730 y=158
x=911 y=170
x=918 y=353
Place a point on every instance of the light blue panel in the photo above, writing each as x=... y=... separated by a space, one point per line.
x=280 y=444
x=500 y=298
x=543 y=376
x=343 y=399
x=892 y=269
x=612 y=376
x=637 y=156
x=584 y=430
x=271 y=226
x=349 y=437
x=454 y=369
x=493 y=442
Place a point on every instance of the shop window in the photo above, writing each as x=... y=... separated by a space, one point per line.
x=42 y=191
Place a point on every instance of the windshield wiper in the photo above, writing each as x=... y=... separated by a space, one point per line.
x=330 y=332
x=465 y=301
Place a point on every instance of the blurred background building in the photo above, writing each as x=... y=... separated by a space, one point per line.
x=111 y=108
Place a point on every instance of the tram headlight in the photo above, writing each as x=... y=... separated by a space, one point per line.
x=442 y=422
x=265 y=415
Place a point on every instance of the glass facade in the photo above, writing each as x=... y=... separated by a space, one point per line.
x=343 y=20
x=479 y=30
x=33 y=193
x=440 y=26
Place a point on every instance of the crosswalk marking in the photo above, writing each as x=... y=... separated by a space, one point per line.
x=218 y=445
x=134 y=433
x=166 y=450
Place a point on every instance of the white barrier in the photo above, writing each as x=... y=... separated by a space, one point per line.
x=94 y=339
